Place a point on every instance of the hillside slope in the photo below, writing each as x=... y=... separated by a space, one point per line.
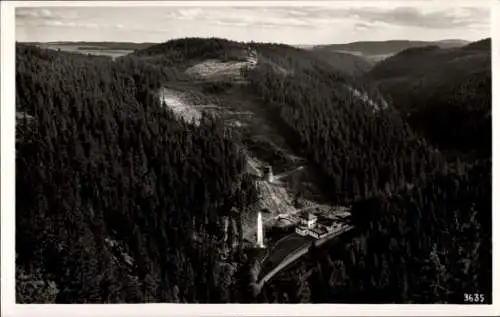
x=446 y=93
x=377 y=50
x=121 y=191
x=370 y=157
x=300 y=92
x=351 y=64
x=145 y=174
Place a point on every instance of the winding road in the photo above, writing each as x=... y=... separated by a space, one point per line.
x=298 y=253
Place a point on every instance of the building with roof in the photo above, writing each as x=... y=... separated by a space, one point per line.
x=302 y=230
x=327 y=223
x=309 y=224
x=318 y=232
x=308 y=219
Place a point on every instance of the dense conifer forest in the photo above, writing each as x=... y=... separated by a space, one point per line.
x=121 y=192
x=445 y=93
x=103 y=162
x=423 y=217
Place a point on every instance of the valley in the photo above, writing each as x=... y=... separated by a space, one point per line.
x=213 y=171
x=264 y=143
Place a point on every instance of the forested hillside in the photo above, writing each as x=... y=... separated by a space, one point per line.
x=188 y=51
x=362 y=151
x=445 y=93
x=129 y=46
x=123 y=192
x=374 y=51
x=345 y=62
x=428 y=244
x=119 y=192
x=423 y=219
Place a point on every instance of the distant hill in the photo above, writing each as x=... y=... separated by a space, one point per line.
x=345 y=62
x=126 y=46
x=112 y=49
x=305 y=46
x=188 y=51
x=452 y=43
x=377 y=50
x=446 y=92
x=484 y=44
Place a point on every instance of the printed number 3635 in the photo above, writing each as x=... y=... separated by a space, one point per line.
x=474 y=298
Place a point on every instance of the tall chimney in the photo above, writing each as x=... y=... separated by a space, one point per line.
x=260 y=231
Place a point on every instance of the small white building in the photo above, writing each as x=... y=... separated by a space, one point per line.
x=308 y=220
x=302 y=230
x=268 y=174
x=318 y=232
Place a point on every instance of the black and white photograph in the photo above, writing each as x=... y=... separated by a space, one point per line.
x=252 y=153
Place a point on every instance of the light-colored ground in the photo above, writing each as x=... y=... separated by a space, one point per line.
x=216 y=69
x=245 y=112
x=179 y=103
x=365 y=98
x=276 y=197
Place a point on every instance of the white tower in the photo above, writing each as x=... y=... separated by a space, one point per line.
x=268 y=174
x=260 y=231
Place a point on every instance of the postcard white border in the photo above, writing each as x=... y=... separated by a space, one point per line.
x=7 y=93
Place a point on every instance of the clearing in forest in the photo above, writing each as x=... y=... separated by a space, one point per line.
x=266 y=140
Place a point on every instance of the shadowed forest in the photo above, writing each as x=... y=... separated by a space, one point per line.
x=120 y=201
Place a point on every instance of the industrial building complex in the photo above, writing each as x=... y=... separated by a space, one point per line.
x=314 y=226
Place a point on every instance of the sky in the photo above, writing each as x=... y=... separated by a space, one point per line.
x=289 y=25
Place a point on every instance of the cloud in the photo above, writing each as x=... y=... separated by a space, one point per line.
x=316 y=17
x=275 y=17
x=444 y=17
x=22 y=13
x=436 y=19
x=72 y=24
x=41 y=13
x=243 y=16
x=57 y=17
x=310 y=23
x=362 y=25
